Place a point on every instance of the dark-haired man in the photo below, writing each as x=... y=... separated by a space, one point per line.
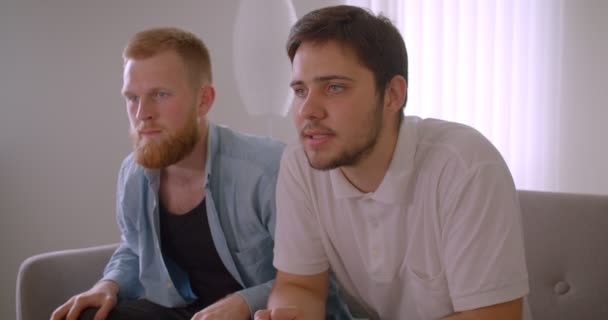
x=418 y=218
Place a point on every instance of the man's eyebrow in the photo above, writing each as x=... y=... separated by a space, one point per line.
x=323 y=79
x=151 y=90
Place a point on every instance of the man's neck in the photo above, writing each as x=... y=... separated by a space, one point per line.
x=182 y=184
x=191 y=167
x=367 y=175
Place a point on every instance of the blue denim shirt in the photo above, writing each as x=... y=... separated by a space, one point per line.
x=241 y=173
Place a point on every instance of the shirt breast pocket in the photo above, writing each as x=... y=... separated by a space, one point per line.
x=430 y=292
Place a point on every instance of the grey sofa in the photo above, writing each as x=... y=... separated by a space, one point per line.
x=564 y=236
x=47 y=280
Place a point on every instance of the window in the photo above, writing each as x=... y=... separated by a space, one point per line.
x=491 y=64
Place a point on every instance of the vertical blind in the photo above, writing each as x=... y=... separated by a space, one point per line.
x=492 y=64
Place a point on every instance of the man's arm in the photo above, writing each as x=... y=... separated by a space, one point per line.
x=301 y=287
x=123 y=267
x=231 y=307
x=239 y=305
x=511 y=310
x=308 y=294
x=483 y=249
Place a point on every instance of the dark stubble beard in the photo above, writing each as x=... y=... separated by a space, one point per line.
x=158 y=154
x=352 y=156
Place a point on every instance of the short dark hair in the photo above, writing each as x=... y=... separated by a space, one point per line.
x=374 y=39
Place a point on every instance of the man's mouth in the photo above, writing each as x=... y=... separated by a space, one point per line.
x=316 y=137
x=147 y=132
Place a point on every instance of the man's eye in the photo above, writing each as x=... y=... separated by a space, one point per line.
x=299 y=92
x=162 y=94
x=132 y=99
x=335 y=88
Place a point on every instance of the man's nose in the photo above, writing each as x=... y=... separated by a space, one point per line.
x=145 y=110
x=312 y=107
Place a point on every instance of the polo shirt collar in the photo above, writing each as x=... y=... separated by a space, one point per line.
x=395 y=181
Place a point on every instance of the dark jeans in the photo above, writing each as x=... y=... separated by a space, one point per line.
x=144 y=309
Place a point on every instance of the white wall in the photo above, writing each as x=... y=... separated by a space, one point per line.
x=63 y=131
x=584 y=124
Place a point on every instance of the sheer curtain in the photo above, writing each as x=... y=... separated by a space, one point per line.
x=492 y=64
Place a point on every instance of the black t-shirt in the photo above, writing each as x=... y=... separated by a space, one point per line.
x=186 y=239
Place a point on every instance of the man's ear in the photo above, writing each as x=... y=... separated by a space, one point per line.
x=206 y=98
x=395 y=93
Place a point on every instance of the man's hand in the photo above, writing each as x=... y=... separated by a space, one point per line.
x=231 y=307
x=102 y=295
x=284 y=313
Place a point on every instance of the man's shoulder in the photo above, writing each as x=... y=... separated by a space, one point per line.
x=130 y=187
x=130 y=167
x=446 y=132
x=129 y=172
x=247 y=141
x=260 y=151
x=456 y=141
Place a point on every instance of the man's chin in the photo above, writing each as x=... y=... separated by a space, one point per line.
x=317 y=163
x=149 y=162
x=161 y=151
x=149 y=155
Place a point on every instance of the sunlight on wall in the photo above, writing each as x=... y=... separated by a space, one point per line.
x=493 y=65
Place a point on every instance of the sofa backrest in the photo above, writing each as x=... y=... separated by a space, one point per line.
x=565 y=237
x=566 y=240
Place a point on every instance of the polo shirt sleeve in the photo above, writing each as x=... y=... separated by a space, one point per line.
x=298 y=244
x=482 y=237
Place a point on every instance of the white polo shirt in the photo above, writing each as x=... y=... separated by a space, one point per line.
x=442 y=233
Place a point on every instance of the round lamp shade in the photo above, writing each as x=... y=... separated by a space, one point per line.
x=262 y=68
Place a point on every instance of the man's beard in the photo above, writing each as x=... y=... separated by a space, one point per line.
x=351 y=156
x=161 y=153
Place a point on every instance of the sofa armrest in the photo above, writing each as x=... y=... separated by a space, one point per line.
x=47 y=280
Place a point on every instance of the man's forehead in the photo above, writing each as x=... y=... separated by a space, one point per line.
x=140 y=85
x=334 y=48
x=315 y=64
x=146 y=75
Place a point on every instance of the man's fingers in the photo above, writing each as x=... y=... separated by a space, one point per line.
x=262 y=315
x=283 y=313
x=80 y=303
x=60 y=312
x=105 y=309
x=197 y=316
